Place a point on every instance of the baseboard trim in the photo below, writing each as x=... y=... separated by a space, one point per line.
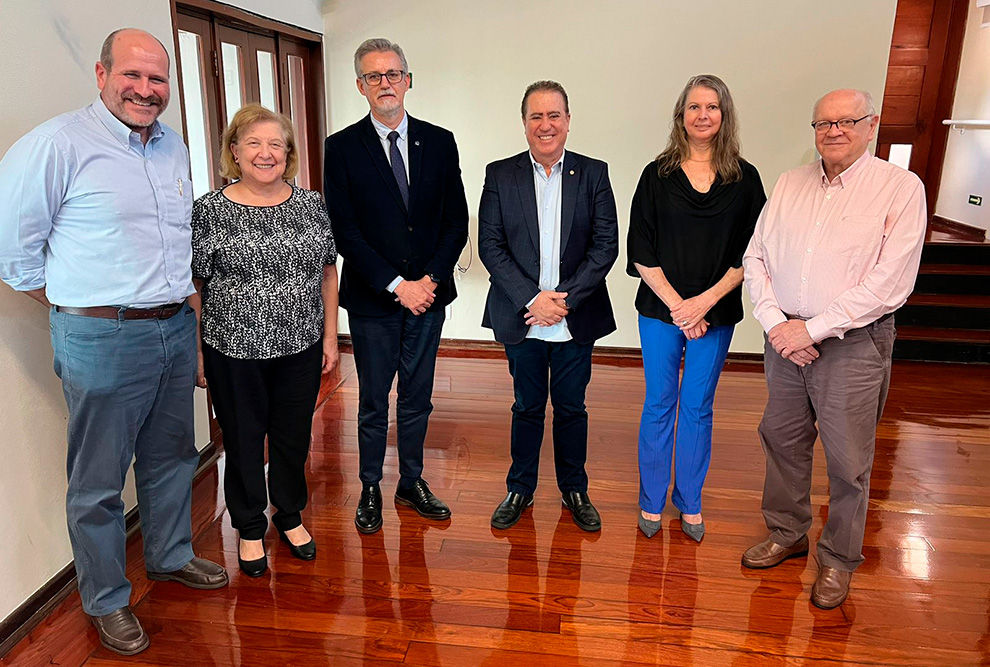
x=461 y=348
x=971 y=232
x=37 y=607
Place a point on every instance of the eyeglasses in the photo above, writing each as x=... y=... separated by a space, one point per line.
x=375 y=78
x=843 y=124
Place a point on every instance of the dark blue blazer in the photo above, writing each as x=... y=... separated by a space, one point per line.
x=509 y=245
x=378 y=238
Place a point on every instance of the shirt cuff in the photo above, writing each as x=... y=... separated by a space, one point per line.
x=530 y=302
x=818 y=330
x=395 y=283
x=772 y=319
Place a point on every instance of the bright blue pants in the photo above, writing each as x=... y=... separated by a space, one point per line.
x=129 y=387
x=664 y=345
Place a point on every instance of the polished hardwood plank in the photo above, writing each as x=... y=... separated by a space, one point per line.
x=545 y=593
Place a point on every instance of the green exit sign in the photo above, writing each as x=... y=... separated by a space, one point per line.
x=975 y=200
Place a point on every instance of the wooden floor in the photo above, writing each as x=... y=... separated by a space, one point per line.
x=546 y=593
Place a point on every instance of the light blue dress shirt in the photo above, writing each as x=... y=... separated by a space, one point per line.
x=97 y=217
x=402 y=142
x=548 y=196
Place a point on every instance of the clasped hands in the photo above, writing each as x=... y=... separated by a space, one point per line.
x=689 y=316
x=791 y=341
x=416 y=295
x=548 y=309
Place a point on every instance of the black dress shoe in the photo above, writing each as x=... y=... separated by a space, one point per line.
x=253 y=568
x=369 y=510
x=420 y=498
x=303 y=551
x=509 y=511
x=584 y=513
x=121 y=632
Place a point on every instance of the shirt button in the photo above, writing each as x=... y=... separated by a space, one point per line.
x=409 y=228
x=818 y=224
x=804 y=280
x=809 y=249
x=828 y=196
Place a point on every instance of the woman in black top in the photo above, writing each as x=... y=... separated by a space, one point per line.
x=264 y=263
x=692 y=216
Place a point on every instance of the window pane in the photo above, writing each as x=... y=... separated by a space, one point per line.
x=297 y=109
x=266 y=79
x=233 y=78
x=900 y=154
x=197 y=121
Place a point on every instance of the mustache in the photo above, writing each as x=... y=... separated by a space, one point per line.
x=151 y=99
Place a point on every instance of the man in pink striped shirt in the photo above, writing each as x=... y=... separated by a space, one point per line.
x=835 y=253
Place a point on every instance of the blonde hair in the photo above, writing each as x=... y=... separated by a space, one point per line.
x=247 y=116
x=725 y=147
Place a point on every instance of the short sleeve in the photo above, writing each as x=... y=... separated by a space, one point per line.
x=641 y=240
x=203 y=243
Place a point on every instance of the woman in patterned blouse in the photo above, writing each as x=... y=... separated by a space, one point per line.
x=264 y=264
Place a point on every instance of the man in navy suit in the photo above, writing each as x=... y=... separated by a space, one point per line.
x=548 y=235
x=399 y=217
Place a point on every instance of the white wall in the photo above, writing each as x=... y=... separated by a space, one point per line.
x=623 y=64
x=47 y=52
x=967 y=155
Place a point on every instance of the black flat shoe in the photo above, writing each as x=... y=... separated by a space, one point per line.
x=420 y=498
x=510 y=510
x=368 y=518
x=253 y=568
x=584 y=513
x=303 y=551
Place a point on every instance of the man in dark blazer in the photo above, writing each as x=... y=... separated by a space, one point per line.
x=548 y=236
x=399 y=217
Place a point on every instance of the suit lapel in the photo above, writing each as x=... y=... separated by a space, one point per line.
x=415 y=139
x=570 y=177
x=377 y=153
x=527 y=193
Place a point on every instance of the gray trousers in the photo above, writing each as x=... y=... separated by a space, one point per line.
x=844 y=392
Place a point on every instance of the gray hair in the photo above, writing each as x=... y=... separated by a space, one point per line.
x=378 y=45
x=544 y=86
x=864 y=96
x=106 y=51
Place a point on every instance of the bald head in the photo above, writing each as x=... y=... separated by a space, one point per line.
x=127 y=38
x=861 y=100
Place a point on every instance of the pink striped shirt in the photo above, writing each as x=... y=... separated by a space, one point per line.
x=839 y=255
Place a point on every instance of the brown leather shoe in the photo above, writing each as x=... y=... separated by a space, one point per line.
x=198 y=573
x=121 y=632
x=768 y=553
x=831 y=587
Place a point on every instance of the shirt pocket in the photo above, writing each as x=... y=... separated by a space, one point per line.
x=857 y=235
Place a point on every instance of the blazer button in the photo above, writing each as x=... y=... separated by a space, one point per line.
x=409 y=228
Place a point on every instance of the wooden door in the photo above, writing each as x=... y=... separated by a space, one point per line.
x=921 y=73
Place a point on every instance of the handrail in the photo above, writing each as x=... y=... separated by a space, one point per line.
x=961 y=125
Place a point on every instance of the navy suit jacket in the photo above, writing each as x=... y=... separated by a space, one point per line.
x=378 y=238
x=509 y=245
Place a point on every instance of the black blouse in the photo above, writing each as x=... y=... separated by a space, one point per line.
x=695 y=237
x=263 y=267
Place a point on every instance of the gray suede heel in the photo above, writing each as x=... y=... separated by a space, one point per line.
x=693 y=530
x=649 y=528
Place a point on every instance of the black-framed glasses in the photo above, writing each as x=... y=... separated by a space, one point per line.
x=394 y=76
x=843 y=123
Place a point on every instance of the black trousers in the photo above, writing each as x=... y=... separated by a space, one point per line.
x=254 y=398
x=407 y=344
x=563 y=371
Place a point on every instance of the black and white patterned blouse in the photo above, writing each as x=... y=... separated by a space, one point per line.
x=263 y=267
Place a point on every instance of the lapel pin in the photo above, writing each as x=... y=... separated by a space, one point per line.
x=416 y=143
x=572 y=172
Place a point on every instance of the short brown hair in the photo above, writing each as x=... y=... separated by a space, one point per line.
x=545 y=86
x=248 y=115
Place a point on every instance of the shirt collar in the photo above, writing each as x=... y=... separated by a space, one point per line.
x=847 y=176
x=382 y=129
x=121 y=132
x=539 y=167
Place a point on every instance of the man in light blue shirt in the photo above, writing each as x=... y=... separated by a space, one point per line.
x=96 y=226
x=548 y=235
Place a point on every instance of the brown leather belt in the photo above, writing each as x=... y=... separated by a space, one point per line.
x=114 y=312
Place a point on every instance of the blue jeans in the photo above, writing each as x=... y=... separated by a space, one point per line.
x=128 y=385
x=663 y=347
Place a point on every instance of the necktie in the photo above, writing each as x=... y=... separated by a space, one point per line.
x=398 y=167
